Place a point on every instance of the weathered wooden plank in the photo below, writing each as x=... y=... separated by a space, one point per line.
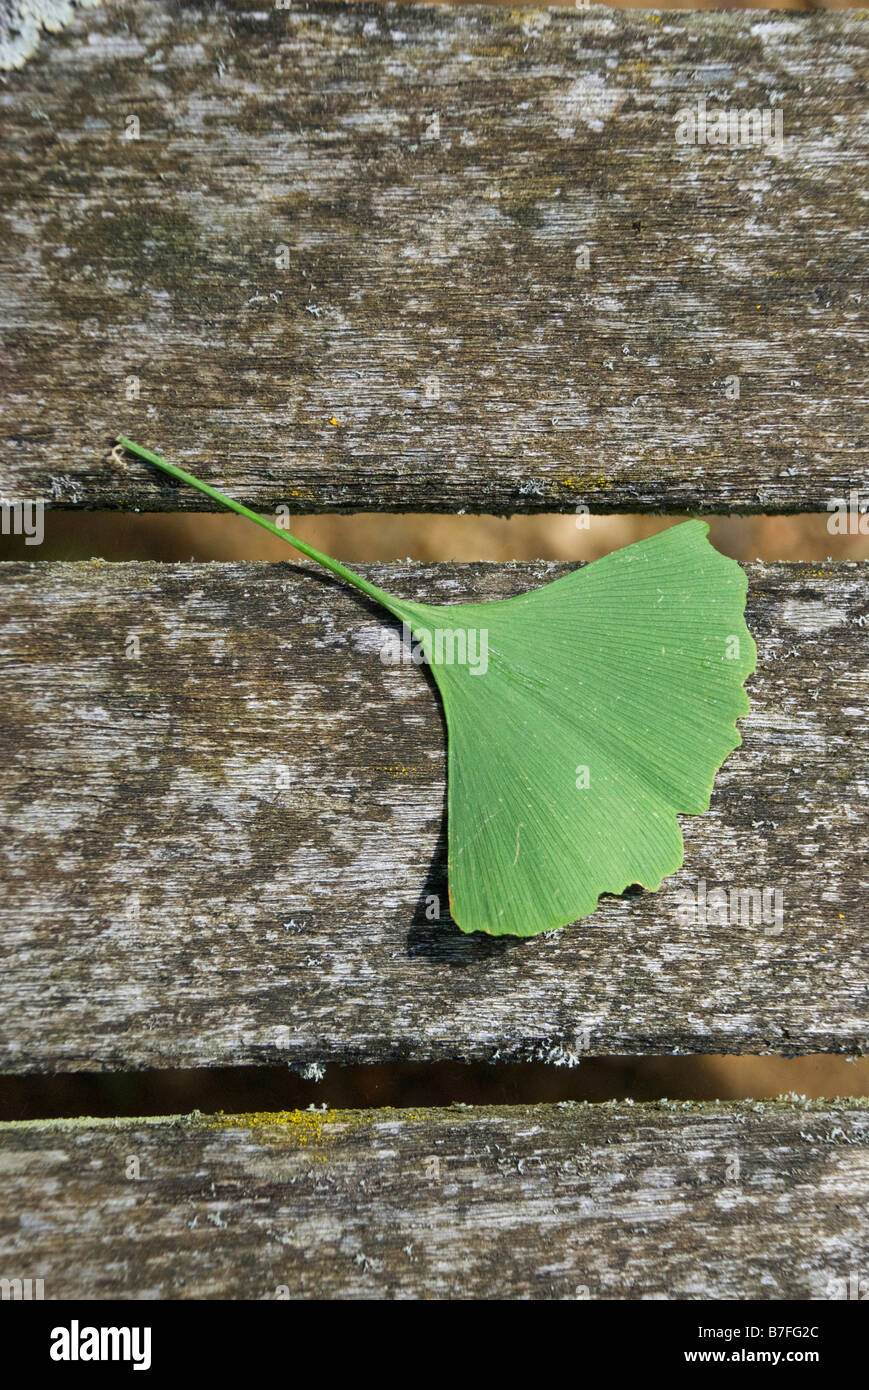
x=753 y=1200
x=223 y=850
x=343 y=264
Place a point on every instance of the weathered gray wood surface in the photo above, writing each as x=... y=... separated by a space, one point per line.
x=222 y=850
x=755 y=1200
x=432 y=176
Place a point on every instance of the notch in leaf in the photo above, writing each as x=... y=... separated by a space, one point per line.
x=582 y=718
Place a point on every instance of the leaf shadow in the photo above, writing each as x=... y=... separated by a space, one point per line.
x=433 y=935
x=437 y=938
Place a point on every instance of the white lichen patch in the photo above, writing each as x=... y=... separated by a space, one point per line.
x=590 y=101
x=810 y=616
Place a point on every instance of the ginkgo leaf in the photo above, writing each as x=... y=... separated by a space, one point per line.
x=586 y=715
x=582 y=718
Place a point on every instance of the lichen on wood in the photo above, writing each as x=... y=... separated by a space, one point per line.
x=672 y=1200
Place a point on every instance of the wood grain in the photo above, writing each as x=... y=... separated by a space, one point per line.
x=431 y=176
x=753 y=1200
x=223 y=850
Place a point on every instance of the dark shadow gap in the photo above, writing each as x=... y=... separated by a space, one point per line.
x=426 y=537
x=411 y=1084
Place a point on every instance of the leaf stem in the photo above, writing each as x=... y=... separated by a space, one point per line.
x=326 y=560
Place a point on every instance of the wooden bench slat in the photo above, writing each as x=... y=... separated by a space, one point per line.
x=222 y=851
x=753 y=1200
x=433 y=175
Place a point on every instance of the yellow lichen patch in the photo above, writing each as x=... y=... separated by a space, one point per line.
x=399 y=770
x=303 y=1129
x=597 y=484
x=313 y=1131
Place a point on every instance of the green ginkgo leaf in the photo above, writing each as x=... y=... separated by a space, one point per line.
x=582 y=718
